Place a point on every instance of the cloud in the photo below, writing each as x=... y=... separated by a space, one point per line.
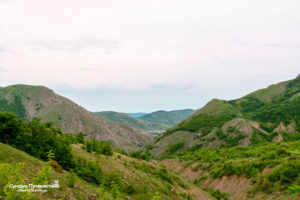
x=181 y=56
x=3 y=50
x=2 y=69
x=279 y=45
x=73 y=45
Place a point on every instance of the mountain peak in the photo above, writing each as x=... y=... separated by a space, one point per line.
x=39 y=102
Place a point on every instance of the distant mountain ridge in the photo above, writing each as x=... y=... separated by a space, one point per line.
x=136 y=115
x=39 y=102
x=169 y=118
x=266 y=115
x=159 y=120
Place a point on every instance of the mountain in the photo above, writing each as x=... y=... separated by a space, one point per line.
x=159 y=120
x=169 y=118
x=136 y=115
x=133 y=122
x=38 y=102
x=267 y=115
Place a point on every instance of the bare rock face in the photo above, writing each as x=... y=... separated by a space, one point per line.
x=237 y=128
x=291 y=128
x=280 y=128
x=278 y=138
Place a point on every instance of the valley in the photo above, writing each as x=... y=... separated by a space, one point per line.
x=246 y=148
x=153 y=123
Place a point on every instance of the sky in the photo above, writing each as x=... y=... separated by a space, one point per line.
x=147 y=55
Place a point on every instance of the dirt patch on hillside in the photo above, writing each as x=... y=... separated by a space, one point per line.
x=234 y=185
x=278 y=138
x=280 y=128
x=196 y=192
x=257 y=126
x=291 y=128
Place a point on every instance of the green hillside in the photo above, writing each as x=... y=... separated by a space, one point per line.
x=125 y=171
x=159 y=120
x=85 y=169
x=270 y=114
x=265 y=171
x=41 y=103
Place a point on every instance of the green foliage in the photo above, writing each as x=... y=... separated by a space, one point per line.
x=156 y=196
x=283 y=158
x=89 y=171
x=50 y=155
x=267 y=127
x=217 y=194
x=249 y=104
x=284 y=176
x=10 y=127
x=203 y=122
x=80 y=137
x=294 y=189
x=277 y=112
x=99 y=147
x=12 y=174
x=139 y=155
x=175 y=147
x=57 y=167
x=159 y=173
x=220 y=134
x=186 y=196
x=43 y=176
x=16 y=106
x=35 y=138
x=234 y=141
x=270 y=106
x=115 y=191
x=71 y=178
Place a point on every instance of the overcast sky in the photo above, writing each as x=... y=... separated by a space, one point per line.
x=147 y=55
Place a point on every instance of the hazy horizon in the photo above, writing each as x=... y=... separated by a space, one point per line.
x=144 y=56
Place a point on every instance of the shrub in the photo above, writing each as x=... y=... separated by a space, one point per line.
x=57 y=167
x=139 y=155
x=175 y=147
x=80 y=137
x=43 y=176
x=89 y=171
x=71 y=178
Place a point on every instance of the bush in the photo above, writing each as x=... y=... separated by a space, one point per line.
x=139 y=155
x=71 y=178
x=89 y=171
x=175 y=147
x=43 y=176
x=57 y=167
x=98 y=147
x=80 y=137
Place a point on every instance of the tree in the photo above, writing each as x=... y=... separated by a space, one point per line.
x=80 y=137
